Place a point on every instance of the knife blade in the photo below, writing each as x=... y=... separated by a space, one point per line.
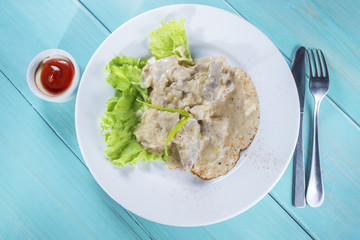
x=298 y=71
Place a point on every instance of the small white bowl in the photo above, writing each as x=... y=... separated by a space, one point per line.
x=65 y=96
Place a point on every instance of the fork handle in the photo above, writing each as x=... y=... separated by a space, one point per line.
x=315 y=189
x=299 y=173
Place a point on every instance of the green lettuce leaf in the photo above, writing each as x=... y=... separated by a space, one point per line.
x=170 y=39
x=123 y=60
x=120 y=117
x=124 y=73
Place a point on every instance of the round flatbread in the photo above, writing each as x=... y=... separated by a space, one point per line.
x=225 y=109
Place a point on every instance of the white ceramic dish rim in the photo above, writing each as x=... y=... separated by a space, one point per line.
x=136 y=211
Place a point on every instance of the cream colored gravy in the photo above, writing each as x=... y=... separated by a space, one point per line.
x=223 y=101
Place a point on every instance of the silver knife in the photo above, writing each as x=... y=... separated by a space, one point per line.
x=298 y=71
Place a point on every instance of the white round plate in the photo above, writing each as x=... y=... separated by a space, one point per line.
x=174 y=197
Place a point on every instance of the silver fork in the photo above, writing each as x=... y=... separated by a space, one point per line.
x=319 y=86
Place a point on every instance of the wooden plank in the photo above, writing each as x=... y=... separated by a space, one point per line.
x=332 y=26
x=45 y=191
x=338 y=217
x=39 y=175
x=27 y=29
x=266 y=220
x=46 y=109
x=113 y=14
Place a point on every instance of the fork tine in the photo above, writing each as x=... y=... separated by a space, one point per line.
x=320 y=65
x=325 y=67
x=310 y=69
x=315 y=67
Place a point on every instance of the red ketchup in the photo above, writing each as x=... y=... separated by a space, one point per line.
x=56 y=75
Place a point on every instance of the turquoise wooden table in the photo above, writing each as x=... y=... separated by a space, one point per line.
x=46 y=190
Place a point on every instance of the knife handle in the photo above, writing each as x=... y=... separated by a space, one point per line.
x=299 y=173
